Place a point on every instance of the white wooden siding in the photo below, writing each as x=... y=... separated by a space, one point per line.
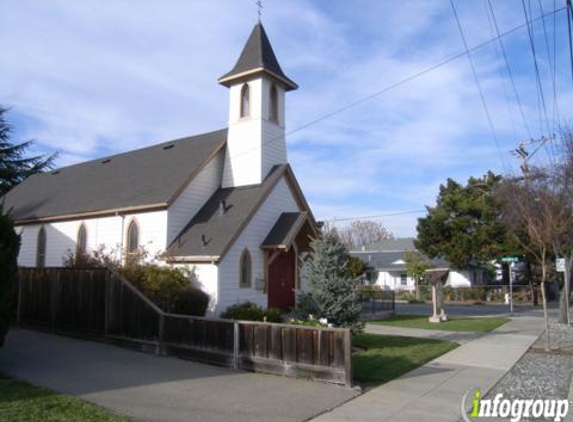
x=280 y=200
x=201 y=188
x=254 y=144
x=61 y=237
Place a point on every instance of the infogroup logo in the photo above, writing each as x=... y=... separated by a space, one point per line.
x=514 y=410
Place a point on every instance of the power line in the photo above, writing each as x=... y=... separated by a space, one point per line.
x=569 y=24
x=551 y=70
x=509 y=71
x=481 y=94
x=537 y=74
x=405 y=80
x=367 y=217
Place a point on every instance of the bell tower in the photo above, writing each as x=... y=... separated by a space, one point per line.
x=256 y=136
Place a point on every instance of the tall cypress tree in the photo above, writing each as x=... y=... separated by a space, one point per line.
x=9 y=248
x=331 y=293
x=15 y=166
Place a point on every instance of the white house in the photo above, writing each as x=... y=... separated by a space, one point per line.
x=386 y=265
x=225 y=203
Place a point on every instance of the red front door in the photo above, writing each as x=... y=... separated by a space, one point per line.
x=281 y=284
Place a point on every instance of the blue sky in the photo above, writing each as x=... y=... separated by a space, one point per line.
x=92 y=78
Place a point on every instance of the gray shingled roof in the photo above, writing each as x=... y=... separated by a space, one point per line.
x=144 y=177
x=400 y=244
x=213 y=229
x=285 y=229
x=385 y=260
x=258 y=54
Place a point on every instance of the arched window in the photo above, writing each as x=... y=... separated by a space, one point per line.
x=274 y=106
x=132 y=238
x=245 y=269
x=245 y=101
x=41 y=248
x=82 y=242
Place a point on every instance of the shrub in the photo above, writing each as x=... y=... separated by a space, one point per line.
x=190 y=301
x=169 y=288
x=249 y=311
x=274 y=315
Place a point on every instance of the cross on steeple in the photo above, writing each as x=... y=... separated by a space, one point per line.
x=260 y=9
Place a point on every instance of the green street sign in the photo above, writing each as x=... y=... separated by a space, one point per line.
x=510 y=259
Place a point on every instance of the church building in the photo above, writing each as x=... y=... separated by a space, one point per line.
x=224 y=204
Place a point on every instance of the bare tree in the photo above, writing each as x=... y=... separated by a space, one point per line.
x=539 y=212
x=363 y=232
x=530 y=216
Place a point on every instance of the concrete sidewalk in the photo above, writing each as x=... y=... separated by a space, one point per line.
x=151 y=388
x=460 y=337
x=435 y=390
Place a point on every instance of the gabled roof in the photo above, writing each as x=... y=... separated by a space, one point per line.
x=214 y=229
x=399 y=244
x=392 y=260
x=283 y=233
x=257 y=56
x=147 y=178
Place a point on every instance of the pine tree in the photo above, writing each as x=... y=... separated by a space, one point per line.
x=14 y=165
x=331 y=293
x=9 y=248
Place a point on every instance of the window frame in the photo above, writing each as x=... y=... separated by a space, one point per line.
x=79 y=247
x=128 y=252
x=41 y=245
x=246 y=257
x=245 y=101
x=274 y=104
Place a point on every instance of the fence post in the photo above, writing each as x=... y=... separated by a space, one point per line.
x=53 y=298
x=235 y=345
x=106 y=306
x=159 y=349
x=348 y=359
x=393 y=301
x=18 y=308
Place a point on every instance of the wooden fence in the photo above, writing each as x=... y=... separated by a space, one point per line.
x=99 y=304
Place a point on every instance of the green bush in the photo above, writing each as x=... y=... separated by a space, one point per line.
x=249 y=311
x=169 y=288
x=274 y=315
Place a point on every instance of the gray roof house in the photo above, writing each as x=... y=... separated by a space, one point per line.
x=386 y=263
x=224 y=204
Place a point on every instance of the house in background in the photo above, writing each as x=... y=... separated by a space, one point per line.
x=386 y=266
x=224 y=204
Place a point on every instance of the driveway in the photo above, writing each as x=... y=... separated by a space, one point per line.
x=151 y=388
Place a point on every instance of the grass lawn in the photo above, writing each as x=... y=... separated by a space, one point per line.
x=22 y=402
x=388 y=357
x=456 y=323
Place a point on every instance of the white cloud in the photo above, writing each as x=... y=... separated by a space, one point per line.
x=92 y=78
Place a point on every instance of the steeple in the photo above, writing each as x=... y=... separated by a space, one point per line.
x=257 y=57
x=256 y=137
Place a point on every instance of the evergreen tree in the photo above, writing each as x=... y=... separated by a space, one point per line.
x=15 y=166
x=9 y=248
x=331 y=293
x=465 y=227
